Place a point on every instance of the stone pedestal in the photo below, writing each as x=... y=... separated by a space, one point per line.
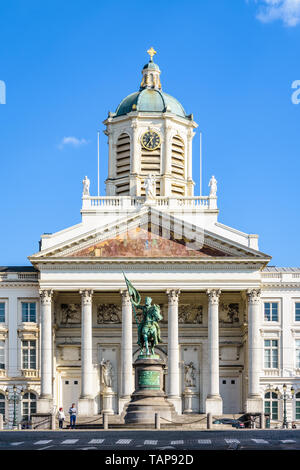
x=214 y=405
x=254 y=405
x=107 y=400
x=44 y=404
x=148 y=397
x=188 y=400
x=86 y=406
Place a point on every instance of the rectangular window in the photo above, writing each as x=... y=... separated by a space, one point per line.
x=2 y=312
x=297 y=311
x=2 y=355
x=2 y=405
x=28 y=312
x=298 y=409
x=271 y=311
x=298 y=353
x=271 y=408
x=28 y=354
x=271 y=354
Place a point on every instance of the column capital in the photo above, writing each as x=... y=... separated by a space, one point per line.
x=86 y=296
x=125 y=297
x=253 y=296
x=213 y=296
x=46 y=296
x=173 y=296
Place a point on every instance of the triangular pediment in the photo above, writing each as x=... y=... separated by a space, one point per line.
x=143 y=243
x=149 y=234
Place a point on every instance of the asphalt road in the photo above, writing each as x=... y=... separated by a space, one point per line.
x=150 y=440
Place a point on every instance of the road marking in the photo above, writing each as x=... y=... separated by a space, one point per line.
x=70 y=441
x=260 y=441
x=40 y=443
x=232 y=441
x=88 y=448
x=204 y=441
x=47 y=447
x=96 y=441
x=287 y=441
x=16 y=443
x=150 y=443
x=124 y=441
x=176 y=442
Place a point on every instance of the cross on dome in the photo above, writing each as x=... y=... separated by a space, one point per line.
x=151 y=53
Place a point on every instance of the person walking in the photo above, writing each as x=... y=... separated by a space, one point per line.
x=72 y=413
x=61 y=417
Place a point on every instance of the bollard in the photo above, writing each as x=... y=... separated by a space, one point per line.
x=105 y=420
x=157 y=421
x=209 y=420
x=262 y=421
x=1 y=422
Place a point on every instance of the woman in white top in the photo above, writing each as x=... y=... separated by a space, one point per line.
x=61 y=417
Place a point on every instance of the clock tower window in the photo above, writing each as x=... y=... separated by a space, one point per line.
x=123 y=164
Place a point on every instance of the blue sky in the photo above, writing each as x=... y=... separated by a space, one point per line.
x=230 y=63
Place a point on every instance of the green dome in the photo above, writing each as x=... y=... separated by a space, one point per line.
x=150 y=100
x=151 y=66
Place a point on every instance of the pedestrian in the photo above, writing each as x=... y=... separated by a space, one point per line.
x=294 y=426
x=61 y=417
x=72 y=413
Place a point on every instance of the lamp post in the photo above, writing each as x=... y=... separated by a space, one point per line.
x=285 y=396
x=15 y=397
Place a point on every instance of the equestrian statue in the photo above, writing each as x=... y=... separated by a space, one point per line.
x=148 y=327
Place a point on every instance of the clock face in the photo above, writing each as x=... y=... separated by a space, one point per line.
x=150 y=140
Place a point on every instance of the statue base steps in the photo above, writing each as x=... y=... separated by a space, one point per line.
x=148 y=397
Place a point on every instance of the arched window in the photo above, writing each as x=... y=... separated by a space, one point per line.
x=177 y=166
x=271 y=404
x=2 y=405
x=297 y=400
x=123 y=163
x=28 y=405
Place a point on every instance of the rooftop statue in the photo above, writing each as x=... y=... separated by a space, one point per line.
x=149 y=185
x=86 y=186
x=148 y=328
x=213 y=186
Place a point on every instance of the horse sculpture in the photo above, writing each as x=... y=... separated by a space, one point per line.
x=148 y=329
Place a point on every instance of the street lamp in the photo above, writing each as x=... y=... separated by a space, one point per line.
x=285 y=396
x=15 y=397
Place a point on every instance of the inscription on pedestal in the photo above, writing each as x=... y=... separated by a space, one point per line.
x=149 y=379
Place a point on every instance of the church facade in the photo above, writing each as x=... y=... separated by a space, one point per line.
x=231 y=324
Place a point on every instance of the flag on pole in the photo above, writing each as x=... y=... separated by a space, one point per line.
x=134 y=295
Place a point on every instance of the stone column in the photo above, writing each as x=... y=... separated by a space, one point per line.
x=126 y=350
x=86 y=402
x=110 y=186
x=214 y=402
x=188 y=166
x=254 y=402
x=173 y=350
x=134 y=160
x=166 y=161
x=46 y=399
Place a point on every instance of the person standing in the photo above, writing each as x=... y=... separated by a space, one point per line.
x=61 y=417
x=72 y=413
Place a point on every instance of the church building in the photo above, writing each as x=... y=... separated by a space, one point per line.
x=231 y=324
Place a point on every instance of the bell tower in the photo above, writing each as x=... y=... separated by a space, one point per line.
x=150 y=134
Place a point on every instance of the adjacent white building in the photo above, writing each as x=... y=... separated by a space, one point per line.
x=231 y=324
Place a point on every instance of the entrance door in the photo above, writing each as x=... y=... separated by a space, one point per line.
x=70 y=392
x=230 y=393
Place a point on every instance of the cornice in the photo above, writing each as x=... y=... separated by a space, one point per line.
x=281 y=285
x=19 y=284
x=185 y=263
